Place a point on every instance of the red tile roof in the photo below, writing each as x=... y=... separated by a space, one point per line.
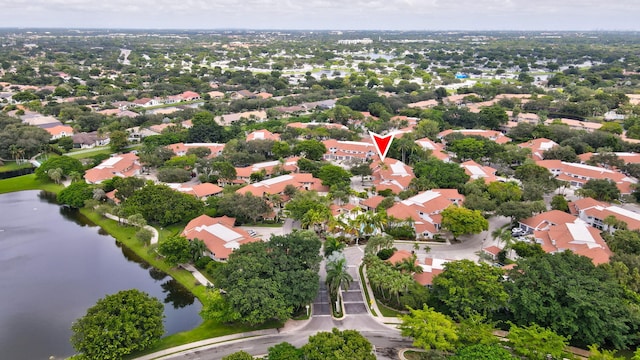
x=548 y=219
x=391 y=174
x=276 y=185
x=124 y=165
x=218 y=234
x=263 y=135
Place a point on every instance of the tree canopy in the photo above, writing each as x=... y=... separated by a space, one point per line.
x=338 y=345
x=118 y=325
x=269 y=280
x=429 y=329
x=462 y=221
x=162 y=205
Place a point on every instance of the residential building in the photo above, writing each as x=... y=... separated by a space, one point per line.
x=494 y=135
x=423 y=210
x=189 y=96
x=201 y=191
x=576 y=124
x=391 y=174
x=180 y=149
x=263 y=135
x=538 y=147
x=146 y=102
x=219 y=235
x=277 y=185
x=594 y=213
x=269 y=167
x=89 y=140
x=458 y=99
x=431 y=268
x=426 y=104
x=627 y=157
x=558 y=231
x=477 y=171
x=338 y=150
x=227 y=119
x=300 y=125
x=59 y=131
x=437 y=149
x=578 y=174
x=124 y=165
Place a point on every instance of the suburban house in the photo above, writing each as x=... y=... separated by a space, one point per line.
x=391 y=174
x=259 y=115
x=493 y=135
x=263 y=135
x=189 y=96
x=277 y=185
x=123 y=165
x=437 y=149
x=538 y=147
x=89 y=140
x=594 y=213
x=545 y=220
x=430 y=269
x=627 y=157
x=578 y=174
x=146 y=102
x=300 y=125
x=219 y=235
x=59 y=131
x=270 y=167
x=458 y=99
x=201 y=191
x=243 y=94
x=172 y=99
x=180 y=149
x=371 y=203
x=216 y=94
x=423 y=210
x=576 y=124
x=558 y=231
x=426 y=104
x=338 y=150
x=477 y=171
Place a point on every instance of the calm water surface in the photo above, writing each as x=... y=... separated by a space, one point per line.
x=54 y=265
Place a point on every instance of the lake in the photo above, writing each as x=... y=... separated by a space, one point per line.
x=55 y=264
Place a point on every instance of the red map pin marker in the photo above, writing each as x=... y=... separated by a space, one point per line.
x=382 y=143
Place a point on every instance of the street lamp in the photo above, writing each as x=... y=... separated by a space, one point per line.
x=307 y=306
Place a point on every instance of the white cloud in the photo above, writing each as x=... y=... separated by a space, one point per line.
x=366 y=14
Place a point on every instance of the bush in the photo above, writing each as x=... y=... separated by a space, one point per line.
x=404 y=232
x=202 y=262
x=174 y=175
x=384 y=254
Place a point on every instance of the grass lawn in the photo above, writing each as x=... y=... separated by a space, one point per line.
x=12 y=165
x=87 y=154
x=27 y=182
x=366 y=292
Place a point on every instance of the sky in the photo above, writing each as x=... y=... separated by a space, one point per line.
x=325 y=14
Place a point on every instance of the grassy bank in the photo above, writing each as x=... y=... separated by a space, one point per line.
x=207 y=329
x=27 y=182
x=12 y=165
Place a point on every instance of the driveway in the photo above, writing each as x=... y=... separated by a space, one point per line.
x=264 y=232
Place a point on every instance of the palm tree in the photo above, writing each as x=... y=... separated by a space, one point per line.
x=503 y=234
x=75 y=176
x=332 y=244
x=337 y=277
x=55 y=175
x=197 y=248
x=408 y=265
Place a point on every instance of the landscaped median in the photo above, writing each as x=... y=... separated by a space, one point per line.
x=27 y=182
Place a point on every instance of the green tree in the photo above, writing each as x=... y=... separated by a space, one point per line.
x=311 y=149
x=174 y=175
x=483 y=352
x=338 y=345
x=118 y=140
x=283 y=277
x=518 y=210
x=578 y=301
x=462 y=221
x=429 y=329
x=537 y=343
x=66 y=143
x=206 y=130
x=334 y=175
x=244 y=207
x=337 y=276
x=504 y=191
x=600 y=189
x=303 y=202
x=238 y=355
x=284 y=351
x=55 y=175
x=176 y=250
x=441 y=174
x=602 y=354
x=558 y=202
x=466 y=289
x=161 y=204
x=144 y=235
x=76 y=194
x=474 y=330
x=493 y=116
x=118 y=325
x=197 y=248
x=67 y=164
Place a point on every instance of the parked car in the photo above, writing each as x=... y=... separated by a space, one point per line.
x=517 y=231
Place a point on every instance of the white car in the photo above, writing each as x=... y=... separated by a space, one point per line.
x=517 y=231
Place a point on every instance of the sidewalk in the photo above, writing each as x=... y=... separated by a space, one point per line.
x=154 y=238
x=207 y=342
x=197 y=274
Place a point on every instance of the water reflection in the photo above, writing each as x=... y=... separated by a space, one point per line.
x=177 y=295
